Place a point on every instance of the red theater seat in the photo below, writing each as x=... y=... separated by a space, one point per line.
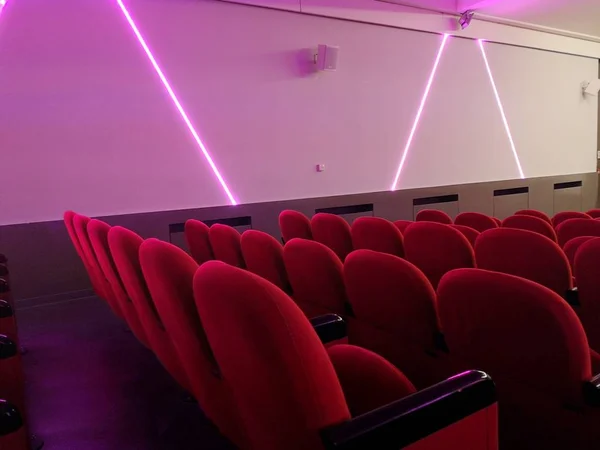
x=566 y=215
x=124 y=247
x=498 y=221
x=478 y=221
x=316 y=275
x=169 y=273
x=531 y=223
x=380 y=235
x=533 y=343
x=587 y=274
x=293 y=394
x=436 y=249
x=433 y=215
x=294 y=224
x=334 y=232
x=572 y=247
x=534 y=213
x=395 y=315
x=572 y=228
x=196 y=236
x=402 y=225
x=13 y=433
x=226 y=246
x=98 y=233
x=264 y=257
x=525 y=254
x=470 y=233
x=594 y=213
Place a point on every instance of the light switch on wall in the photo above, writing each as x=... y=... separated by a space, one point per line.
x=321 y=167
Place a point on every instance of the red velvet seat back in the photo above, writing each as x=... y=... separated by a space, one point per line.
x=587 y=274
x=225 y=243
x=572 y=247
x=566 y=215
x=478 y=221
x=98 y=233
x=264 y=257
x=572 y=228
x=515 y=329
x=470 y=233
x=402 y=225
x=294 y=224
x=525 y=254
x=534 y=213
x=124 y=247
x=433 y=215
x=531 y=223
x=334 y=232
x=316 y=275
x=196 y=236
x=169 y=274
x=68 y=219
x=594 y=213
x=436 y=249
x=380 y=235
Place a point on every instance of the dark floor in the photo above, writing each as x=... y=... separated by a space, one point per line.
x=92 y=386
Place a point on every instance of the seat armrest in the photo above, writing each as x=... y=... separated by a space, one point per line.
x=329 y=327
x=415 y=417
x=572 y=297
x=591 y=391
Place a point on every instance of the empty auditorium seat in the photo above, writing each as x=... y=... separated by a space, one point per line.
x=292 y=393
x=531 y=223
x=334 y=232
x=8 y=323
x=470 y=233
x=572 y=228
x=12 y=382
x=436 y=249
x=402 y=225
x=498 y=221
x=225 y=243
x=534 y=213
x=13 y=433
x=169 y=274
x=566 y=215
x=196 y=236
x=532 y=342
x=594 y=213
x=317 y=277
x=572 y=247
x=587 y=274
x=433 y=215
x=375 y=233
x=476 y=220
x=525 y=254
x=395 y=315
x=294 y=224
x=98 y=233
x=124 y=247
x=263 y=255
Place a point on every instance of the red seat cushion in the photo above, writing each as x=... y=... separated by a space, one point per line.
x=566 y=215
x=470 y=233
x=196 y=236
x=294 y=224
x=375 y=233
x=587 y=274
x=572 y=228
x=534 y=213
x=263 y=255
x=433 y=215
x=402 y=225
x=593 y=213
x=531 y=223
x=478 y=221
x=573 y=245
x=226 y=246
x=334 y=232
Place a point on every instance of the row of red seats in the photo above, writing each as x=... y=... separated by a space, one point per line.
x=13 y=429
x=254 y=362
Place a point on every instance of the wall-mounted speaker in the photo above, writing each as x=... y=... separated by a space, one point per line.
x=327 y=57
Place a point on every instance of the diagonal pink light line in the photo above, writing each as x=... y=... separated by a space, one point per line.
x=504 y=120
x=420 y=111
x=2 y=4
x=175 y=100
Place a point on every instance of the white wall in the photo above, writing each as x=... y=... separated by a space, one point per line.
x=85 y=123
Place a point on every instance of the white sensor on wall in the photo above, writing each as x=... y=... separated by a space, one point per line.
x=590 y=87
x=327 y=57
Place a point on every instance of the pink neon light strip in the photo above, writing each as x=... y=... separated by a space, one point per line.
x=420 y=111
x=175 y=100
x=506 y=127
x=2 y=4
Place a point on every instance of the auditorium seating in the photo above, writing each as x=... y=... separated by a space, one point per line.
x=225 y=244
x=533 y=344
x=375 y=233
x=436 y=248
x=572 y=246
x=316 y=275
x=263 y=255
x=334 y=232
x=534 y=213
x=470 y=233
x=594 y=213
x=478 y=221
x=587 y=274
x=289 y=395
x=566 y=215
x=402 y=225
x=531 y=223
x=169 y=273
x=572 y=228
x=294 y=224
x=196 y=236
x=433 y=215
x=525 y=254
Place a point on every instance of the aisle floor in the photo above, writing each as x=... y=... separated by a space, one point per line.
x=92 y=386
